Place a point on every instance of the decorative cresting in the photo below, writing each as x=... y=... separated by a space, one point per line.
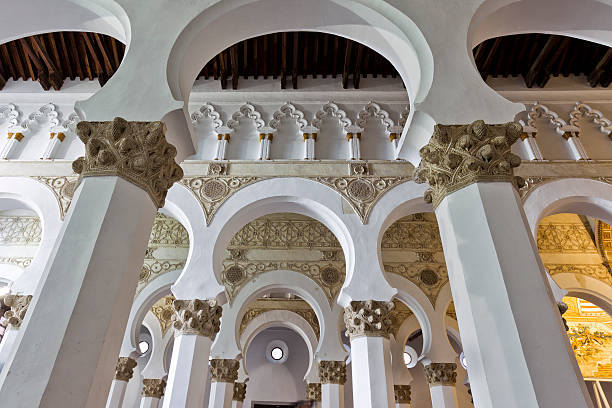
x=239 y=391
x=332 y=372
x=201 y=317
x=313 y=391
x=459 y=155
x=441 y=373
x=402 y=394
x=135 y=151
x=368 y=318
x=19 y=306
x=153 y=388
x=125 y=369
x=224 y=370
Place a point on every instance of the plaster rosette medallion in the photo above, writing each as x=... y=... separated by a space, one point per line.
x=124 y=370
x=402 y=394
x=239 y=393
x=19 y=306
x=368 y=318
x=459 y=155
x=153 y=388
x=135 y=151
x=201 y=317
x=224 y=370
x=332 y=372
x=441 y=373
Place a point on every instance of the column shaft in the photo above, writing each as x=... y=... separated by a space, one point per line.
x=332 y=395
x=372 y=375
x=221 y=395
x=116 y=394
x=149 y=402
x=443 y=396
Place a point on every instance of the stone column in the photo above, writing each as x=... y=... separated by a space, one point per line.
x=402 y=395
x=124 y=371
x=152 y=392
x=367 y=325
x=333 y=376
x=441 y=378
x=223 y=373
x=196 y=323
x=69 y=344
x=239 y=394
x=18 y=305
x=512 y=335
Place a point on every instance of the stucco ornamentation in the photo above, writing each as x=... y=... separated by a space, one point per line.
x=201 y=317
x=441 y=373
x=19 y=306
x=20 y=230
x=153 y=388
x=23 y=262
x=224 y=370
x=135 y=151
x=124 y=370
x=239 y=391
x=313 y=391
x=368 y=318
x=332 y=372
x=398 y=315
x=296 y=306
x=63 y=190
x=402 y=394
x=163 y=310
x=459 y=155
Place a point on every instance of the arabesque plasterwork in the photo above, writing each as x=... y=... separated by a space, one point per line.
x=20 y=230
x=398 y=315
x=63 y=189
x=298 y=306
x=566 y=238
x=163 y=311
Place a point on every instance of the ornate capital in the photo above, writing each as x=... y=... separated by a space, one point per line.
x=313 y=391
x=402 y=394
x=441 y=373
x=201 y=317
x=332 y=372
x=459 y=155
x=239 y=391
x=153 y=388
x=19 y=306
x=125 y=369
x=135 y=151
x=224 y=370
x=368 y=318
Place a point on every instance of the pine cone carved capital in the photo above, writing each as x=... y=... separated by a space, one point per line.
x=19 y=307
x=441 y=373
x=153 y=388
x=332 y=372
x=402 y=394
x=368 y=318
x=313 y=391
x=201 y=317
x=124 y=370
x=239 y=391
x=224 y=370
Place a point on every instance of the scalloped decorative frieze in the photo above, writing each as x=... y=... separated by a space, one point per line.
x=583 y=110
x=246 y=111
x=207 y=111
x=539 y=111
x=10 y=114
x=373 y=111
x=46 y=113
x=331 y=110
x=288 y=111
x=72 y=122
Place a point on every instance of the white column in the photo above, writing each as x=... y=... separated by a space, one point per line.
x=221 y=394
x=367 y=326
x=152 y=391
x=68 y=345
x=223 y=374
x=442 y=378
x=332 y=395
x=402 y=395
x=197 y=323
x=124 y=371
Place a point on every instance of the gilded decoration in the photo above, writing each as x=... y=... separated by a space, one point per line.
x=163 y=310
x=332 y=372
x=239 y=393
x=19 y=306
x=124 y=369
x=441 y=373
x=596 y=271
x=368 y=318
x=135 y=151
x=402 y=394
x=224 y=370
x=20 y=230
x=459 y=155
x=201 y=317
x=398 y=315
x=153 y=388
x=450 y=311
x=296 y=306
x=313 y=391
x=566 y=238
x=63 y=189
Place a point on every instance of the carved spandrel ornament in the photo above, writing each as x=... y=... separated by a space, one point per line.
x=313 y=391
x=19 y=307
x=135 y=151
x=124 y=370
x=153 y=388
x=63 y=189
x=368 y=318
x=402 y=393
x=239 y=393
x=441 y=373
x=459 y=155
x=201 y=317
x=332 y=372
x=224 y=370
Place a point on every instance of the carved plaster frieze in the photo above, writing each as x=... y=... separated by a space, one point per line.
x=239 y=393
x=153 y=388
x=168 y=232
x=19 y=306
x=135 y=151
x=368 y=318
x=224 y=370
x=313 y=391
x=402 y=393
x=20 y=230
x=125 y=369
x=163 y=310
x=201 y=317
x=63 y=189
x=430 y=277
x=564 y=238
x=459 y=155
x=297 y=306
x=152 y=268
x=332 y=372
x=441 y=373
x=418 y=232
x=398 y=315
x=596 y=271
x=23 y=262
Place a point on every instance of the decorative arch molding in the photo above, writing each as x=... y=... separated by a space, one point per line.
x=331 y=111
x=246 y=112
x=582 y=110
x=288 y=111
x=207 y=111
x=10 y=114
x=373 y=111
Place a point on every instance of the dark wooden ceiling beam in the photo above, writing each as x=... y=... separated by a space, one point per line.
x=74 y=56
x=102 y=76
x=283 y=74
x=223 y=69
x=17 y=59
x=534 y=71
x=597 y=73
x=42 y=72
x=234 y=63
x=488 y=61
x=546 y=70
x=294 y=67
x=105 y=55
x=347 y=62
x=7 y=60
x=56 y=77
x=357 y=69
x=67 y=59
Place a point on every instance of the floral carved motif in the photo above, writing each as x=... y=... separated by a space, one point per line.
x=20 y=230
x=459 y=155
x=332 y=372
x=402 y=394
x=201 y=317
x=224 y=370
x=23 y=262
x=63 y=190
x=153 y=388
x=398 y=315
x=239 y=393
x=125 y=369
x=313 y=391
x=163 y=311
x=441 y=373
x=19 y=306
x=368 y=318
x=564 y=238
x=135 y=151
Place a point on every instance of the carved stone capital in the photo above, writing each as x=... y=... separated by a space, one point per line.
x=313 y=391
x=125 y=369
x=135 y=151
x=153 y=388
x=201 y=317
x=332 y=372
x=224 y=370
x=402 y=394
x=441 y=373
x=368 y=318
x=459 y=155
x=239 y=391
x=19 y=306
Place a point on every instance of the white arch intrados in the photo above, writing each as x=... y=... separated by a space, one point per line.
x=587 y=288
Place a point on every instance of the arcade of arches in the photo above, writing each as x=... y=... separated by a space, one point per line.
x=331 y=204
